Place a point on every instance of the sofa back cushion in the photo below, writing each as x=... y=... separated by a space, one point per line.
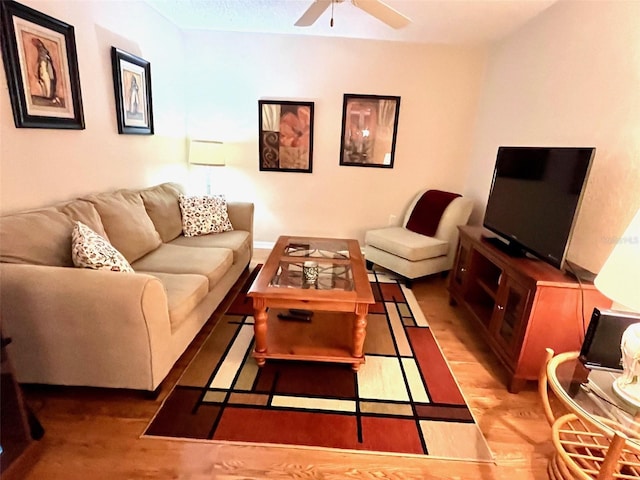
x=161 y=203
x=37 y=237
x=85 y=212
x=126 y=223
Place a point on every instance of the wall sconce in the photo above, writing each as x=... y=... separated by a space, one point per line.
x=207 y=153
x=619 y=279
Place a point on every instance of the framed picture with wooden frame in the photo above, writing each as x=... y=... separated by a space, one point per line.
x=132 y=88
x=41 y=64
x=369 y=130
x=285 y=136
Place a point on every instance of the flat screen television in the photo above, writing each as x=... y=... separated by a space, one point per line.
x=534 y=199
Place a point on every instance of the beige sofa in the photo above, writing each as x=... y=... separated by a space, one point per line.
x=75 y=326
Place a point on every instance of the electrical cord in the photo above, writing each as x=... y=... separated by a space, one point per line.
x=584 y=321
x=588 y=389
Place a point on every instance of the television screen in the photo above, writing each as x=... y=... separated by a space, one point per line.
x=535 y=195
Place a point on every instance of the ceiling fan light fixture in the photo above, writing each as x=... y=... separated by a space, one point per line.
x=375 y=8
x=331 y=22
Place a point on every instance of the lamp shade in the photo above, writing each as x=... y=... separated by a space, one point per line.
x=619 y=278
x=206 y=152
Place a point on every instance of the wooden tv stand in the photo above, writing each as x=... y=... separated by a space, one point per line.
x=520 y=305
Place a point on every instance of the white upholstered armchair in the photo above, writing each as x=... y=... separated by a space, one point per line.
x=427 y=240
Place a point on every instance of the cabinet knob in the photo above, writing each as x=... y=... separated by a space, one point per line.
x=500 y=307
x=462 y=269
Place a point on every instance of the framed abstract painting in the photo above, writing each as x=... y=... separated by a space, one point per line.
x=369 y=130
x=132 y=87
x=41 y=64
x=285 y=136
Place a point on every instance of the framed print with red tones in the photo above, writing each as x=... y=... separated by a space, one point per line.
x=285 y=136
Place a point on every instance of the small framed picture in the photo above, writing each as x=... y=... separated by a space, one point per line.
x=285 y=136
x=41 y=64
x=369 y=130
x=132 y=86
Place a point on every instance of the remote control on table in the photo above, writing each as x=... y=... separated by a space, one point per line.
x=299 y=318
x=299 y=312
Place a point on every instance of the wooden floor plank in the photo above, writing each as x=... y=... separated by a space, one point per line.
x=95 y=433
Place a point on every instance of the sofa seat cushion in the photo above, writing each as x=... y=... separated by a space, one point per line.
x=161 y=203
x=37 y=237
x=213 y=263
x=237 y=240
x=127 y=223
x=405 y=243
x=184 y=293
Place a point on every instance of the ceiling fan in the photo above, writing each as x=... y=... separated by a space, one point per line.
x=376 y=8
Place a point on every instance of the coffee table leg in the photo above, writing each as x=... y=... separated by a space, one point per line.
x=260 y=330
x=359 y=333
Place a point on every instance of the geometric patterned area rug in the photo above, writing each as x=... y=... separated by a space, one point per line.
x=403 y=400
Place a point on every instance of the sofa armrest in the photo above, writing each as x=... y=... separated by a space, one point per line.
x=75 y=326
x=241 y=216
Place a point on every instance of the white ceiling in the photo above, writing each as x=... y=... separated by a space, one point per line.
x=433 y=21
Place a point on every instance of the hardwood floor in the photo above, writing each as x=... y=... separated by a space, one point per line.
x=94 y=433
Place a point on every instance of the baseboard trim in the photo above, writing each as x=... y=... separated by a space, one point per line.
x=264 y=245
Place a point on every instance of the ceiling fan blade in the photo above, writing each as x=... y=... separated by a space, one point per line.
x=313 y=13
x=383 y=12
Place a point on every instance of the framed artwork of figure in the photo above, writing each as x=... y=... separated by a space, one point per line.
x=132 y=87
x=41 y=65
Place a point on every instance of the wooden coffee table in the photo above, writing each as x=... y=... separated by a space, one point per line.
x=339 y=300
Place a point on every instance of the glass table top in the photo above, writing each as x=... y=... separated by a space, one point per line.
x=317 y=248
x=331 y=276
x=592 y=392
x=332 y=259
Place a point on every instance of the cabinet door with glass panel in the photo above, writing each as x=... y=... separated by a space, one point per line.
x=510 y=314
x=460 y=269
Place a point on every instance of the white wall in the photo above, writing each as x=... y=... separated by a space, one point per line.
x=218 y=78
x=42 y=166
x=438 y=86
x=570 y=77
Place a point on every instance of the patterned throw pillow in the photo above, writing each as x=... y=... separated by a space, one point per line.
x=203 y=215
x=90 y=250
